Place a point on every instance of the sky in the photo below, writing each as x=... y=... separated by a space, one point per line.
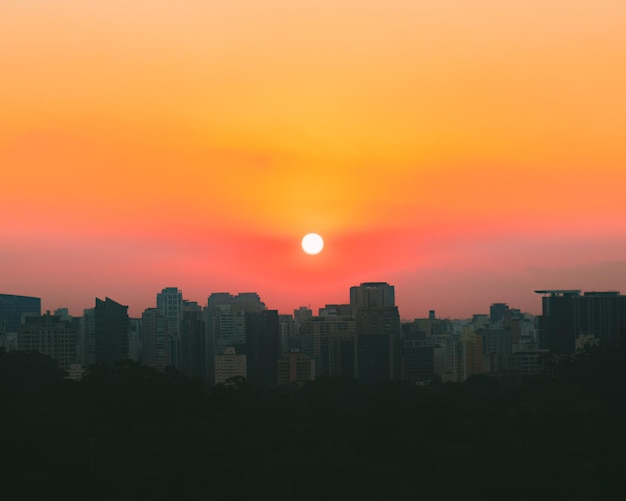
x=465 y=151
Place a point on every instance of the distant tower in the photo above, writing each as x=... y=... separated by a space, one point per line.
x=50 y=335
x=192 y=341
x=497 y=311
x=262 y=347
x=110 y=331
x=13 y=307
x=566 y=315
x=242 y=322
x=170 y=304
x=86 y=345
x=378 y=294
x=156 y=343
x=377 y=331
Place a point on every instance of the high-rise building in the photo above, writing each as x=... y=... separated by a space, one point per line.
x=378 y=329
x=86 y=344
x=228 y=365
x=155 y=349
x=13 y=307
x=373 y=294
x=134 y=339
x=262 y=347
x=192 y=341
x=226 y=326
x=497 y=348
x=497 y=311
x=566 y=315
x=110 y=331
x=330 y=342
x=295 y=367
x=170 y=302
x=417 y=360
x=49 y=335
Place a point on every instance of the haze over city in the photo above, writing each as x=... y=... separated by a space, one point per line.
x=467 y=152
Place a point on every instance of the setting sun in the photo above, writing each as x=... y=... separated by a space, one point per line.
x=312 y=243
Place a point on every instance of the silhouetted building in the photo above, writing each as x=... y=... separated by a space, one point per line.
x=111 y=331
x=262 y=347
x=170 y=302
x=528 y=360
x=417 y=360
x=497 y=311
x=192 y=341
x=226 y=326
x=155 y=350
x=287 y=333
x=134 y=339
x=474 y=352
x=295 y=368
x=12 y=308
x=377 y=342
x=229 y=364
x=331 y=341
x=372 y=294
x=497 y=349
x=49 y=335
x=243 y=302
x=566 y=315
x=86 y=345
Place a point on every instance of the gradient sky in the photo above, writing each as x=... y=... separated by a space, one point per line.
x=467 y=152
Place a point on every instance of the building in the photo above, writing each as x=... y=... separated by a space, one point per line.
x=528 y=360
x=86 y=345
x=497 y=348
x=417 y=360
x=192 y=341
x=226 y=326
x=51 y=336
x=373 y=294
x=378 y=330
x=110 y=331
x=228 y=365
x=13 y=307
x=134 y=339
x=170 y=302
x=330 y=341
x=295 y=367
x=566 y=315
x=155 y=349
x=262 y=347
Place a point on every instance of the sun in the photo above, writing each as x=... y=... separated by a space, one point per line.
x=312 y=243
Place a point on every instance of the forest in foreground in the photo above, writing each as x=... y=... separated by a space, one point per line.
x=128 y=432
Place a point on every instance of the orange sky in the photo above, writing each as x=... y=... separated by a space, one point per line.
x=465 y=151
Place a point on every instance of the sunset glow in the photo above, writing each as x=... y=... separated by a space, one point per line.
x=467 y=152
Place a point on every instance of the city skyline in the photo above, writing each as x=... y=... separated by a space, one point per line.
x=136 y=310
x=467 y=152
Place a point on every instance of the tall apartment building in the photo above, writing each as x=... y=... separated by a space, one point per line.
x=13 y=307
x=378 y=330
x=331 y=341
x=243 y=323
x=110 y=331
x=229 y=364
x=262 y=347
x=566 y=315
x=170 y=303
x=295 y=367
x=49 y=335
x=192 y=341
x=86 y=344
x=155 y=349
